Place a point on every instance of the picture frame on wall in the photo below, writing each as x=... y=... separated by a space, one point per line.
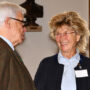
x=34 y=11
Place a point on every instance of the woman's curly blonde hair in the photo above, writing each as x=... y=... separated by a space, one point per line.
x=74 y=20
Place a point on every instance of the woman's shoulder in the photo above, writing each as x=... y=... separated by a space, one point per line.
x=84 y=59
x=50 y=59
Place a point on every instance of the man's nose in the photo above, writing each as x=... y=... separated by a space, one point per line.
x=25 y=29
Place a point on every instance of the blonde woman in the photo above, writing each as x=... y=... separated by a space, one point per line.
x=69 y=69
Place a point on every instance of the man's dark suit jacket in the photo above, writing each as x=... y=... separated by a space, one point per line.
x=13 y=73
x=49 y=74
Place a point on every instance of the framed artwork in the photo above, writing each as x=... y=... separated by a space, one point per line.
x=34 y=11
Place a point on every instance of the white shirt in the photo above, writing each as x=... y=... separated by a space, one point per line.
x=68 y=78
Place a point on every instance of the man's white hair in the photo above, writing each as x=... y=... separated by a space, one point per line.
x=8 y=9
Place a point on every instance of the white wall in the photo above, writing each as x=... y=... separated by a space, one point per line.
x=38 y=44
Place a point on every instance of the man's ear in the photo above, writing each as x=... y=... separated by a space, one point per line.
x=7 y=22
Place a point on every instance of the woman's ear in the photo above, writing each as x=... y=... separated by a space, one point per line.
x=78 y=37
x=7 y=22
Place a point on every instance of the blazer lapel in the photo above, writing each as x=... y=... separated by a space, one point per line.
x=82 y=82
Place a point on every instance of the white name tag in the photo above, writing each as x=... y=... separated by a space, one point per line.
x=81 y=73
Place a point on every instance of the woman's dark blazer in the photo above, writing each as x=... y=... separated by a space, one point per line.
x=49 y=74
x=13 y=73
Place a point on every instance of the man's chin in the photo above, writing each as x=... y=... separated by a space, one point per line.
x=21 y=41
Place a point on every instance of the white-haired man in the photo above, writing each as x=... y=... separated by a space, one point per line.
x=13 y=73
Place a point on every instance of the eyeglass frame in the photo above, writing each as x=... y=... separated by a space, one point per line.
x=22 y=21
x=64 y=34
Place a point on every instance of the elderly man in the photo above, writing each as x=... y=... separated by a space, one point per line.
x=13 y=73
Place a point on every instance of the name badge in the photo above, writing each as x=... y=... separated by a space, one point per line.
x=81 y=73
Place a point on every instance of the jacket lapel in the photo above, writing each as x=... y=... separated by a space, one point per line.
x=82 y=82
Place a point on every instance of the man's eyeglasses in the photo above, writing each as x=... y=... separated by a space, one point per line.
x=64 y=34
x=25 y=23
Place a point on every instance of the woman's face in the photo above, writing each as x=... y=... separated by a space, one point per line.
x=66 y=38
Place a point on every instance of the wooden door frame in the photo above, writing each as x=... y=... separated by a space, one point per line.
x=89 y=27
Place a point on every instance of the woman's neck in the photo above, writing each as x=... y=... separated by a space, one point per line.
x=69 y=54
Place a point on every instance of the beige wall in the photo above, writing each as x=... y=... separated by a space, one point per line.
x=38 y=44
